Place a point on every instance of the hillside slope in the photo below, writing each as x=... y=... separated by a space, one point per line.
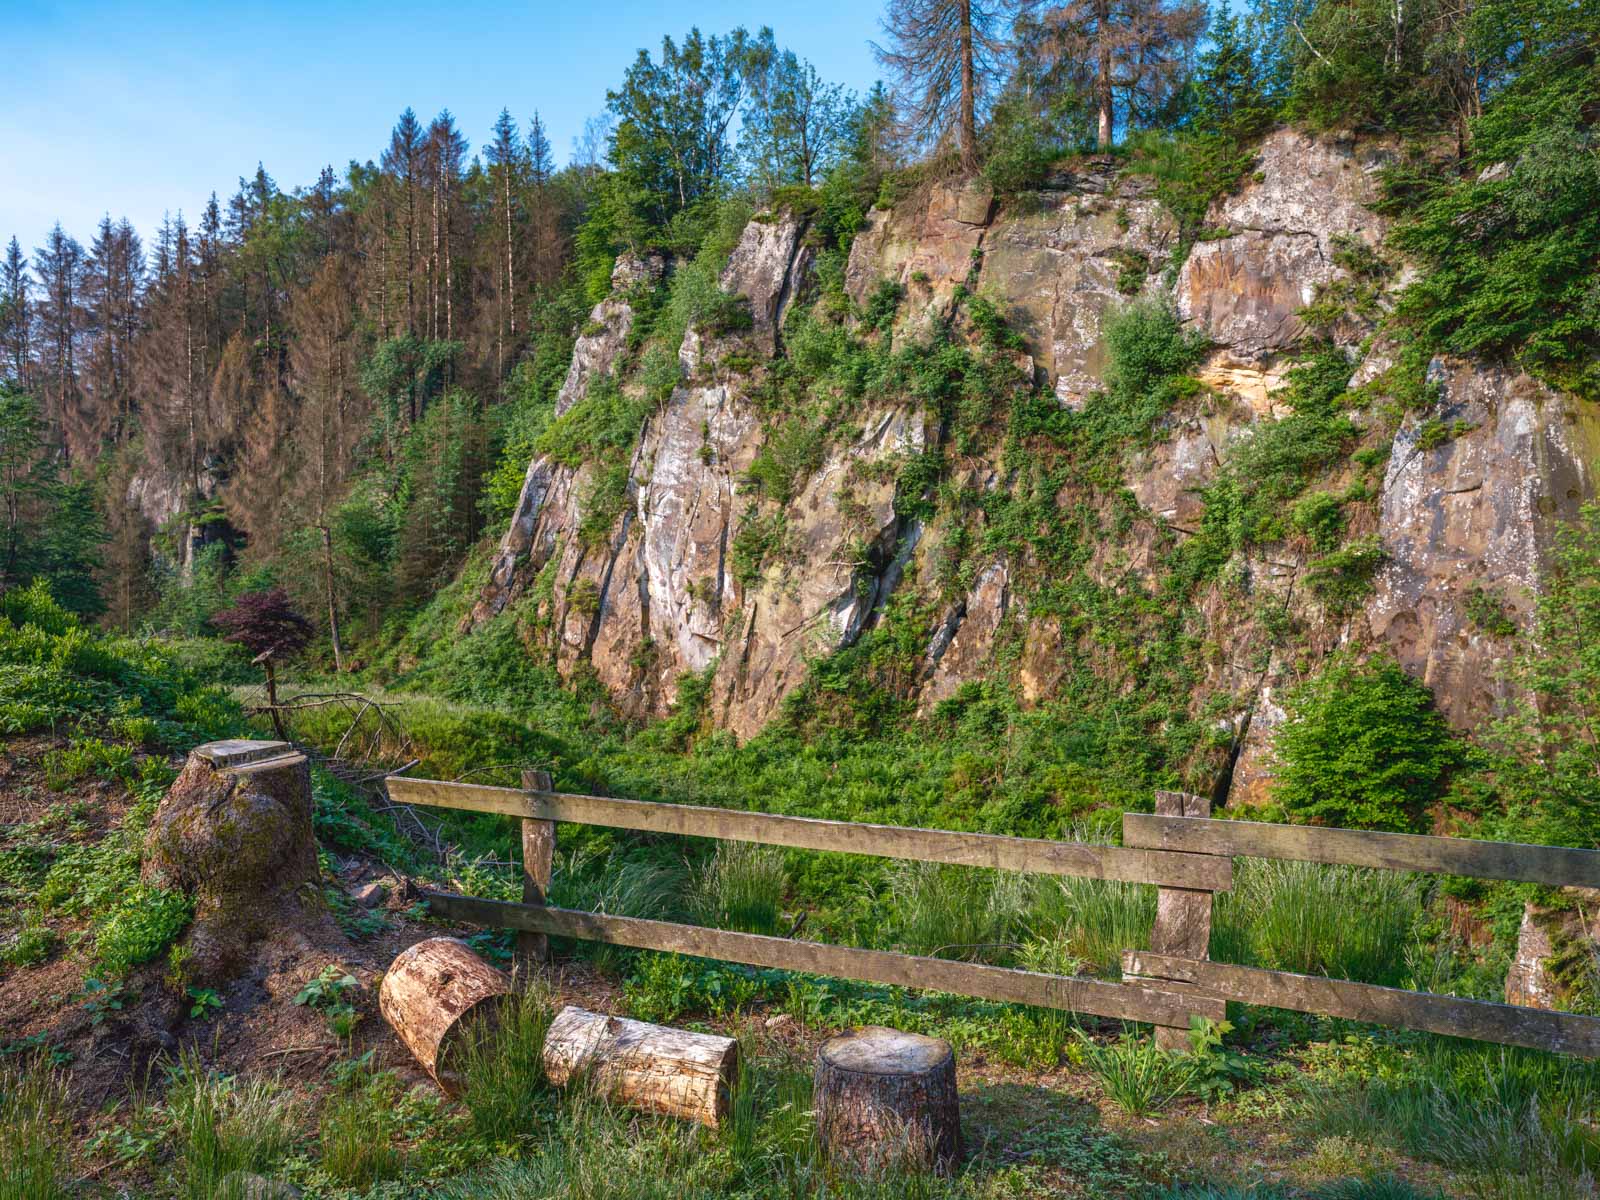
x=943 y=445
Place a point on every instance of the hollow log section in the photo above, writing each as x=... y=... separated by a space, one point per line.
x=1182 y=926
x=647 y=1067
x=887 y=1099
x=436 y=995
x=538 y=860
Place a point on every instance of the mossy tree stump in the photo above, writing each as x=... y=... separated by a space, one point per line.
x=234 y=832
x=886 y=1099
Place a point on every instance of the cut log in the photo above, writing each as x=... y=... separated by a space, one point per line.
x=437 y=996
x=886 y=1099
x=648 y=1067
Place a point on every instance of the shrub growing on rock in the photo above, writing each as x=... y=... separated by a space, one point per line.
x=1363 y=746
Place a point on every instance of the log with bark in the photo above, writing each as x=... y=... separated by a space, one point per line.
x=438 y=996
x=887 y=1100
x=648 y=1067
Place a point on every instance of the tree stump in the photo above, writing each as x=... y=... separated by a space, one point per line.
x=234 y=831
x=648 y=1067
x=437 y=996
x=886 y=1099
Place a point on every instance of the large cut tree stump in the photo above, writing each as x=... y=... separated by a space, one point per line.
x=438 y=996
x=648 y=1067
x=887 y=1099
x=234 y=832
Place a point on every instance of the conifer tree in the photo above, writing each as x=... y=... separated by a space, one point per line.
x=944 y=51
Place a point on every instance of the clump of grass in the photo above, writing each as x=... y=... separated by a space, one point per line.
x=225 y=1124
x=34 y=1163
x=1138 y=1076
x=958 y=912
x=356 y=1133
x=1343 y=922
x=1088 y=920
x=501 y=1068
x=740 y=887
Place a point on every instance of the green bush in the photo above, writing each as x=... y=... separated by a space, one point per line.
x=1148 y=352
x=1362 y=747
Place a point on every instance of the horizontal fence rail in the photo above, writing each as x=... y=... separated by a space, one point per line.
x=1484 y=1020
x=1187 y=855
x=1557 y=866
x=1095 y=997
x=1034 y=855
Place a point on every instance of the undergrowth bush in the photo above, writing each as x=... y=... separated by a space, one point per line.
x=1362 y=746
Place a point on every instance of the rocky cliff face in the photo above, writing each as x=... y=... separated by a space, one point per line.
x=1466 y=503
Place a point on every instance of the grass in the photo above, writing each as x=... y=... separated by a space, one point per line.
x=34 y=1160
x=1343 y=922
x=740 y=887
x=1087 y=921
x=356 y=1133
x=1137 y=1075
x=503 y=1085
x=958 y=912
x=226 y=1124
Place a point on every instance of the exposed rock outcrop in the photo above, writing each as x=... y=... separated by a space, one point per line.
x=1471 y=497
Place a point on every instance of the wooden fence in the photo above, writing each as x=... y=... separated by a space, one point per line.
x=1187 y=855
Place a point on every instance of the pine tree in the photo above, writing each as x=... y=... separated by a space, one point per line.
x=943 y=48
x=16 y=316
x=1135 y=50
x=59 y=264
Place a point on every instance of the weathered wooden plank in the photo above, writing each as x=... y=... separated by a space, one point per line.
x=538 y=862
x=1092 y=996
x=1183 y=915
x=1034 y=855
x=1483 y=1020
x=1554 y=865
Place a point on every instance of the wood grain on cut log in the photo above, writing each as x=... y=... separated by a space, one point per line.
x=648 y=1067
x=436 y=996
x=887 y=1099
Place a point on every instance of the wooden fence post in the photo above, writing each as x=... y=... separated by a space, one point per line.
x=1183 y=917
x=538 y=857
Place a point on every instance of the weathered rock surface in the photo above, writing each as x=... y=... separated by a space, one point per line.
x=658 y=596
x=1245 y=289
x=1474 y=510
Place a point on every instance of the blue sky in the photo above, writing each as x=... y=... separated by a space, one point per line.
x=137 y=109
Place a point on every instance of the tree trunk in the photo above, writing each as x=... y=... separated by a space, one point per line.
x=1102 y=83
x=272 y=695
x=434 y=996
x=887 y=1100
x=333 y=608
x=648 y=1067
x=969 y=104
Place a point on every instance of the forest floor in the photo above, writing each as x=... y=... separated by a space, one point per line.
x=121 y=1047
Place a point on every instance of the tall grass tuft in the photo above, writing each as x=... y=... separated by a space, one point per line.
x=1342 y=922
x=356 y=1134
x=34 y=1162
x=1138 y=1076
x=502 y=1072
x=1090 y=921
x=958 y=912
x=1520 y=1122
x=740 y=887
x=224 y=1124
